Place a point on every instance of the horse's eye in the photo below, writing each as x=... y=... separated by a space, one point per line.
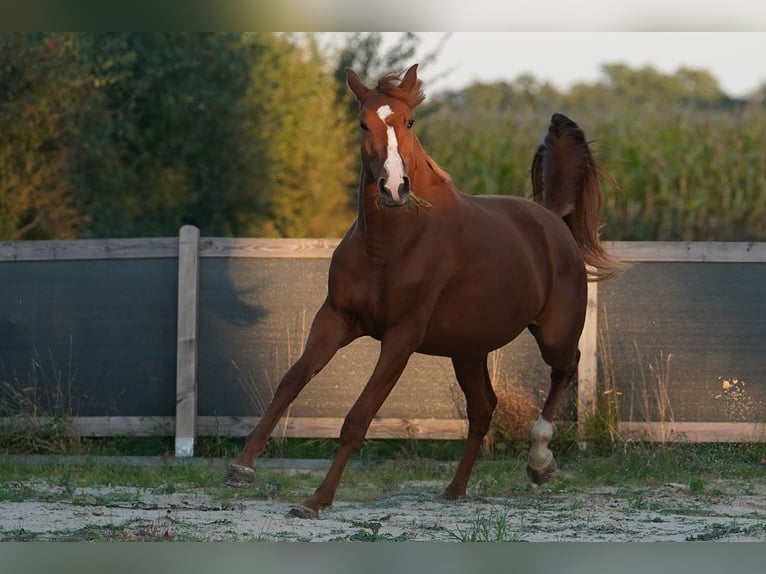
x=410 y=123
x=364 y=126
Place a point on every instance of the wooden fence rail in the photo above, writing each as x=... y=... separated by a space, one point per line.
x=189 y=248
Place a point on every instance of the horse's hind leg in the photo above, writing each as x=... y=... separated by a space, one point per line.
x=473 y=378
x=563 y=359
x=330 y=330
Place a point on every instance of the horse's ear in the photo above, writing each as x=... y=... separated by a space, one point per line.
x=355 y=83
x=410 y=79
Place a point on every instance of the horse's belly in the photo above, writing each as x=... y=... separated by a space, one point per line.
x=467 y=331
x=455 y=346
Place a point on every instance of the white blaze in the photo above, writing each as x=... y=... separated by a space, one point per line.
x=393 y=165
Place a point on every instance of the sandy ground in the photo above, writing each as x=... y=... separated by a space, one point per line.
x=726 y=511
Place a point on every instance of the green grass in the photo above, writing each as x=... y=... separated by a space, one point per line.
x=651 y=463
x=640 y=464
x=497 y=525
x=229 y=447
x=717 y=531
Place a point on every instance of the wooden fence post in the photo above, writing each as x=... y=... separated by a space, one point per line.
x=588 y=369
x=186 y=354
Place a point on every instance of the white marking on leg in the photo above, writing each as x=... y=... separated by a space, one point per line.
x=540 y=455
x=393 y=165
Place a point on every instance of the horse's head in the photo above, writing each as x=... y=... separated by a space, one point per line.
x=388 y=142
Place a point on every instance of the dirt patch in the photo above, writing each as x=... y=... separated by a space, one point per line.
x=726 y=511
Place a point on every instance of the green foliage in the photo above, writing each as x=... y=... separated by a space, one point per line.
x=166 y=148
x=135 y=134
x=369 y=531
x=693 y=464
x=686 y=158
x=688 y=174
x=363 y=52
x=697 y=485
x=40 y=95
x=635 y=85
x=299 y=158
x=494 y=526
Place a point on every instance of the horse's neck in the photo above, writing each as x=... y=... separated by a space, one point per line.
x=378 y=225
x=390 y=232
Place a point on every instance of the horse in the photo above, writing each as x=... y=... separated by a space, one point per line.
x=425 y=268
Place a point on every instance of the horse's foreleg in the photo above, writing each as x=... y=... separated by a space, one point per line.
x=540 y=464
x=330 y=331
x=392 y=361
x=473 y=378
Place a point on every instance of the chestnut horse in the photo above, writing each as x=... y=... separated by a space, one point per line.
x=428 y=269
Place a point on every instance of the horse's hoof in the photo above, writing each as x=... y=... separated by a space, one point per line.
x=453 y=493
x=543 y=475
x=448 y=495
x=303 y=512
x=239 y=476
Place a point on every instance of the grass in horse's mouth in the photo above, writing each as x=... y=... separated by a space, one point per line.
x=419 y=201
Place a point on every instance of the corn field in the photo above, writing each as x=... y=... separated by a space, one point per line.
x=681 y=172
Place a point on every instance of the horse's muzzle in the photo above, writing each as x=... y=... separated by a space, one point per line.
x=397 y=198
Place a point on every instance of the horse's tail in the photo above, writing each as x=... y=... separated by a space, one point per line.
x=565 y=179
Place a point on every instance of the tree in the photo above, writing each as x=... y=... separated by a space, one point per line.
x=40 y=94
x=166 y=147
x=363 y=52
x=686 y=85
x=758 y=96
x=298 y=162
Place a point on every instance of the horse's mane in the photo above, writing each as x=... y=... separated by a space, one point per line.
x=437 y=169
x=388 y=84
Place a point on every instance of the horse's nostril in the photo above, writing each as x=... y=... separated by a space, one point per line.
x=394 y=197
x=382 y=189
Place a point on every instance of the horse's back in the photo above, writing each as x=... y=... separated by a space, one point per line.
x=511 y=258
x=523 y=227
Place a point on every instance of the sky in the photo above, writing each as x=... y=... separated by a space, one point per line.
x=736 y=59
